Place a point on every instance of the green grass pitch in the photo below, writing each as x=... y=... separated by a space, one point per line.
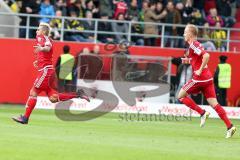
x=109 y=137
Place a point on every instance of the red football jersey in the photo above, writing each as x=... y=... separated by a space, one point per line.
x=196 y=52
x=44 y=58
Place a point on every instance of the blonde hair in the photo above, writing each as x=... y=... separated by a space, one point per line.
x=193 y=29
x=45 y=27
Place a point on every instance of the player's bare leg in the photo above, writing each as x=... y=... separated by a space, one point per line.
x=222 y=114
x=182 y=93
x=31 y=102
x=183 y=98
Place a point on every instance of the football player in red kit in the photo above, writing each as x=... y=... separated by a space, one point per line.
x=202 y=80
x=46 y=73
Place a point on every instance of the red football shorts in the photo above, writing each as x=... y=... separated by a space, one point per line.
x=46 y=82
x=206 y=88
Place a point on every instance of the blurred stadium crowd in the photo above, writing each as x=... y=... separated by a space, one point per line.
x=215 y=13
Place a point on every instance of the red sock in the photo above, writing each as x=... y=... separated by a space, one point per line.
x=191 y=104
x=222 y=114
x=66 y=96
x=31 y=102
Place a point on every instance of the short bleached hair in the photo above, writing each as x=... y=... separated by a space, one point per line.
x=44 y=24
x=46 y=27
x=193 y=29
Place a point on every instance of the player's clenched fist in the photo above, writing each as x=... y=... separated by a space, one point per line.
x=37 y=49
x=198 y=72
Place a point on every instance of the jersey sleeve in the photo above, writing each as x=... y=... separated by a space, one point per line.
x=197 y=48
